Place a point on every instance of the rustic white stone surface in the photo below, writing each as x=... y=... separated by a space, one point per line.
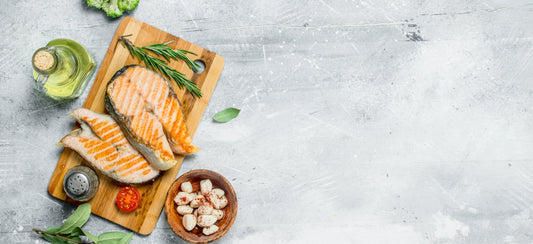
x=362 y=121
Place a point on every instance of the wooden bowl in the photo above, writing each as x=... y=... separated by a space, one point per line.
x=175 y=220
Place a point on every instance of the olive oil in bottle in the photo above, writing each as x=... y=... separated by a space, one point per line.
x=62 y=69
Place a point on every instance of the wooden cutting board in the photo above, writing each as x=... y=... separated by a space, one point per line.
x=153 y=194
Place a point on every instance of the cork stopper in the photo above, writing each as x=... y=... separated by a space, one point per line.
x=43 y=60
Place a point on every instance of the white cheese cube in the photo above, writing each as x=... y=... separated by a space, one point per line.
x=183 y=198
x=219 y=192
x=197 y=201
x=189 y=221
x=184 y=209
x=206 y=208
x=210 y=230
x=206 y=220
x=223 y=202
x=206 y=186
x=219 y=202
x=186 y=186
x=218 y=213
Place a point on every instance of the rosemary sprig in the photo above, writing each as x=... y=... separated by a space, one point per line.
x=157 y=64
x=164 y=50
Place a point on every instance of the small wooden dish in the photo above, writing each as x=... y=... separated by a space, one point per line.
x=175 y=220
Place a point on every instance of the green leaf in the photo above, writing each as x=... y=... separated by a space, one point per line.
x=90 y=236
x=126 y=239
x=77 y=219
x=110 y=237
x=77 y=232
x=226 y=115
x=52 y=230
x=77 y=238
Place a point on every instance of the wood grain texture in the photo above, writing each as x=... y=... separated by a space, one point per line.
x=224 y=224
x=153 y=194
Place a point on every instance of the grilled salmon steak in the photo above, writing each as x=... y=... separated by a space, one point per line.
x=112 y=156
x=146 y=107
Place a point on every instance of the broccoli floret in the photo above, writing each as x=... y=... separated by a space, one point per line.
x=111 y=9
x=95 y=3
x=128 y=4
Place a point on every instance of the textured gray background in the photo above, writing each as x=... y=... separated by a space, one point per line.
x=362 y=121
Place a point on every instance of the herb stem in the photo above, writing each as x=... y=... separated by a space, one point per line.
x=157 y=64
x=41 y=232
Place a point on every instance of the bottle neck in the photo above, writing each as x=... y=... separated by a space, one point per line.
x=45 y=60
x=55 y=65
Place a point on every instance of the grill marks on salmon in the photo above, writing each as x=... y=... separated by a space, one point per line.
x=147 y=109
x=141 y=127
x=161 y=100
x=104 y=156
x=142 y=123
x=104 y=146
x=102 y=126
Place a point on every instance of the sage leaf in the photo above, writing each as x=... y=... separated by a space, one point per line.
x=226 y=115
x=91 y=237
x=77 y=238
x=126 y=239
x=77 y=232
x=110 y=237
x=52 y=230
x=77 y=219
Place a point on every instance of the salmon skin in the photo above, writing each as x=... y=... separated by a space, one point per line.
x=147 y=109
x=102 y=144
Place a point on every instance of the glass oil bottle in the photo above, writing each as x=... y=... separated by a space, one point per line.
x=62 y=69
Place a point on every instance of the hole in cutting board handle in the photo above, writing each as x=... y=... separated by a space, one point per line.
x=202 y=66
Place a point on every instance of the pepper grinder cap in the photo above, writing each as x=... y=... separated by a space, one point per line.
x=81 y=183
